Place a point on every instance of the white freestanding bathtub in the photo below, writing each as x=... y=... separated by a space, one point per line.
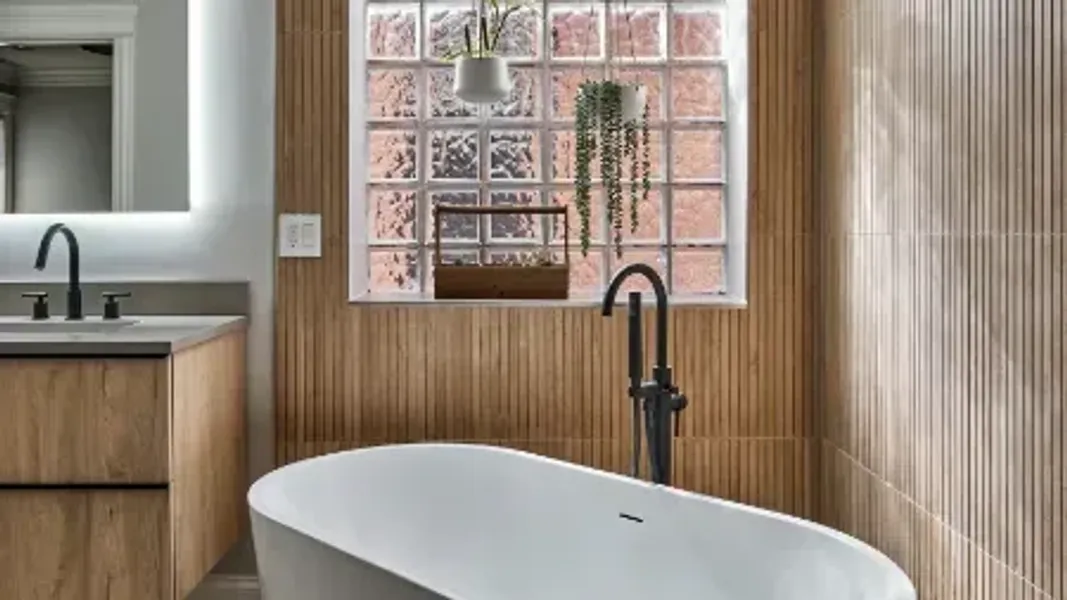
x=465 y=522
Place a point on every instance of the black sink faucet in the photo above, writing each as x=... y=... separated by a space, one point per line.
x=74 y=292
x=659 y=398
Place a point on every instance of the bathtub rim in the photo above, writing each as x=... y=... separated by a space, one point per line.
x=256 y=492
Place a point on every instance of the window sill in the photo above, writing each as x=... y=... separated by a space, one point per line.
x=723 y=302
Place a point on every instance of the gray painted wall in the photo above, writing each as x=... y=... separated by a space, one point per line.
x=63 y=149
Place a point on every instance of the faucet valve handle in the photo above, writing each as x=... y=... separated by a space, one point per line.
x=40 y=304
x=112 y=309
x=678 y=404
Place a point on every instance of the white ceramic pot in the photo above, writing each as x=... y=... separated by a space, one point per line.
x=634 y=98
x=481 y=80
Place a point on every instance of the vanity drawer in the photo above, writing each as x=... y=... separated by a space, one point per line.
x=84 y=421
x=84 y=545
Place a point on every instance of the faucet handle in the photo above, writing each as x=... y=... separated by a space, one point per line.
x=678 y=404
x=40 y=304
x=112 y=309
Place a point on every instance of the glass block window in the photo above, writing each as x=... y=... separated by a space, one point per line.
x=424 y=145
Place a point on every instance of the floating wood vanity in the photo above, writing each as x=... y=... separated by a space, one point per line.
x=122 y=459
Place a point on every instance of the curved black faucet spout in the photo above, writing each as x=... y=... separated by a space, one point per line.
x=661 y=306
x=660 y=398
x=74 y=294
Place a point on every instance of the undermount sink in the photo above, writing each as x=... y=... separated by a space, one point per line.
x=60 y=325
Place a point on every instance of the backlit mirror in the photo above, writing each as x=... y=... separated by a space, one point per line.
x=94 y=108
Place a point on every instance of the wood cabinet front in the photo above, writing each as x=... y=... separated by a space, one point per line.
x=121 y=478
x=84 y=545
x=70 y=421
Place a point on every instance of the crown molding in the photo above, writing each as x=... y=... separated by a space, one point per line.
x=88 y=77
x=61 y=22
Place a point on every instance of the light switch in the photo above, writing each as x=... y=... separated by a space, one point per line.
x=300 y=235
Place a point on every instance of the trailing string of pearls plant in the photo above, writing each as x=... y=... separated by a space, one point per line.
x=611 y=123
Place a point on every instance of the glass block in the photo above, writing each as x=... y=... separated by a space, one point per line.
x=453 y=226
x=576 y=31
x=697 y=154
x=525 y=98
x=564 y=148
x=655 y=155
x=563 y=157
x=596 y=217
x=391 y=214
x=443 y=102
x=653 y=81
x=515 y=227
x=649 y=214
x=392 y=155
x=454 y=154
x=697 y=214
x=393 y=271
x=515 y=154
x=698 y=32
x=521 y=36
x=697 y=92
x=697 y=271
x=637 y=32
x=444 y=28
x=392 y=31
x=650 y=256
x=391 y=94
x=586 y=272
x=565 y=83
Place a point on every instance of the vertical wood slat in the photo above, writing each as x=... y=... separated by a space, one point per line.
x=943 y=311
x=549 y=380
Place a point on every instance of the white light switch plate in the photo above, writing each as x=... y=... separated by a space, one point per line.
x=300 y=236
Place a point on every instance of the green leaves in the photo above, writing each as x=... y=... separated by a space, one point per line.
x=485 y=37
x=489 y=31
x=600 y=126
x=467 y=38
x=585 y=152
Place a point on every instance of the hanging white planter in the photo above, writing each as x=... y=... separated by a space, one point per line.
x=633 y=100
x=481 y=80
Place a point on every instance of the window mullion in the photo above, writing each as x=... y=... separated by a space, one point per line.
x=484 y=176
x=608 y=251
x=667 y=160
x=547 y=142
x=423 y=157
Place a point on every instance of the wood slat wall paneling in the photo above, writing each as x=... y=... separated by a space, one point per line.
x=941 y=285
x=550 y=380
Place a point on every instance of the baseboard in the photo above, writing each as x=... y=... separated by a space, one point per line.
x=228 y=587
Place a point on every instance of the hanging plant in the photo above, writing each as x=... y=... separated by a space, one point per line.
x=621 y=145
x=481 y=76
x=611 y=123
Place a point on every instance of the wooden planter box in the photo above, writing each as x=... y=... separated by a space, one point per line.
x=500 y=282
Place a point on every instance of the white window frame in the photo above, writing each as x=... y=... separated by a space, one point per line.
x=734 y=127
x=64 y=24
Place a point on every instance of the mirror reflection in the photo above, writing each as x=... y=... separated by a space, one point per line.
x=56 y=134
